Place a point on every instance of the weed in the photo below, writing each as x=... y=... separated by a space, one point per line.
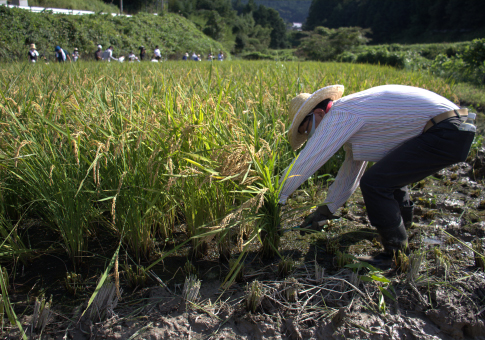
x=189 y=269
x=454 y=176
x=342 y=259
x=74 y=283
x=401 y=261
x=136 y=277
x=332 y=245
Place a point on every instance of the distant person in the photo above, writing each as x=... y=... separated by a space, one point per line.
x=210 y=57
x=132 y=57
x=220 y=56
x=143 y=52
x=98 y=55
x=61 y=55
x=108 y=54
x=157 y=54
x=33 y=54
x=75 y=54
x=199 y=58
x=185 y=57
x=194 y=57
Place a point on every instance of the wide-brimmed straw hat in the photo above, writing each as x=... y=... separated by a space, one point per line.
x=32 y=46
x=302 y=105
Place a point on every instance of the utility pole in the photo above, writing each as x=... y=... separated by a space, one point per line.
x=121 y=6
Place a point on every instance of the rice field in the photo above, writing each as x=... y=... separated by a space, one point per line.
x=140 y=150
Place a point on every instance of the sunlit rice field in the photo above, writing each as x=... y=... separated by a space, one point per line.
x=136 y=149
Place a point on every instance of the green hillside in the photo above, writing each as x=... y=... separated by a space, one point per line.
x=85 y=5
x=175 y=34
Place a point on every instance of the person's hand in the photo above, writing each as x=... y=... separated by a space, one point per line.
x=317 y=219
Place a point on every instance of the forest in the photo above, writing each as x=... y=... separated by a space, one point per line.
x=403 y=21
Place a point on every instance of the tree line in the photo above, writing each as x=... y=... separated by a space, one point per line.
x=241 y=26
x=404 y=21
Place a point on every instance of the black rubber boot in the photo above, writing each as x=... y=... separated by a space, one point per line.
x=407 y=214
x=394 y=239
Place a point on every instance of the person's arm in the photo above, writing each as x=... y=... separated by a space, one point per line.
x=111 y=56
x=346 y=182
x=332 y=132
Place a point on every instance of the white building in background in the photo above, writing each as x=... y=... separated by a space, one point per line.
x=23 y=4
x=297 y=26
x=19 y=2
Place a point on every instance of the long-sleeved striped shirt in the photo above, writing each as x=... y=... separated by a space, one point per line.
x=369 y=124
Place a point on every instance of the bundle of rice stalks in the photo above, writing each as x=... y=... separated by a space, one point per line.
x=41 y=316
x=478 y=254
x=285 y=266
x=104 y=302
x=290 y=288
x=190 y=293
x=319 y=273
x=254 y=295
x=415 y=261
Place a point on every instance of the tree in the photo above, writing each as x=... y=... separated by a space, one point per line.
x=327 y=43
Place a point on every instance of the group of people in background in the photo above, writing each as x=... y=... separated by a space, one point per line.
x=196 y=57
x=61 y=55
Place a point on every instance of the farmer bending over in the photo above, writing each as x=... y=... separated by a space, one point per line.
x=409 y=132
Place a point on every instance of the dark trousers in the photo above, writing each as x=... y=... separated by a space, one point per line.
x=384 y=185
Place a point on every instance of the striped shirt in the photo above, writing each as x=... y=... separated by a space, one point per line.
x=369 y=124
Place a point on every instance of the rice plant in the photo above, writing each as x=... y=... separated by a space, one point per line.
x=137 y=150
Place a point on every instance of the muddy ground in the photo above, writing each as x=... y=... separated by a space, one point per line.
x=316 y=298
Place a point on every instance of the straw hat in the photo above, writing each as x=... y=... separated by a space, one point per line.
x=32 y=46
x=302 y=105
